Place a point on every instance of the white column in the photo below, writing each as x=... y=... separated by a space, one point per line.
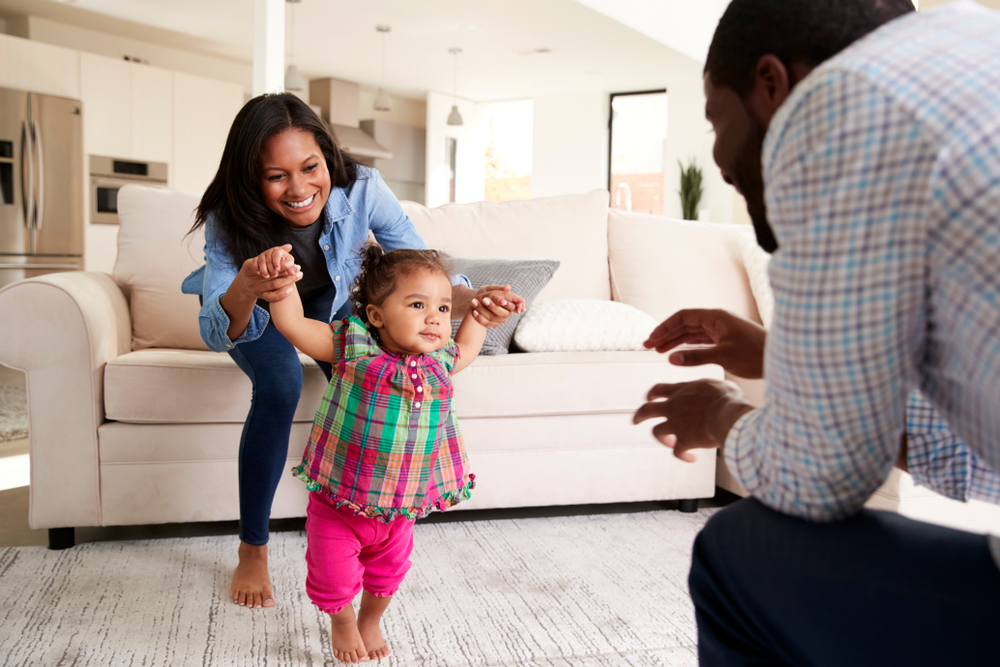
x=268 y=46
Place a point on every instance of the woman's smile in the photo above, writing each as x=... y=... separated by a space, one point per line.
x=305 y=203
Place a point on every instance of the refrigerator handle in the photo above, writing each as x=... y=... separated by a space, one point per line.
x=36 y=139
x=27 y=175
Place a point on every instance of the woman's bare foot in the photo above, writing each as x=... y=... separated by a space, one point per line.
x=345 y=638
x=372 y=608
x=251 y=585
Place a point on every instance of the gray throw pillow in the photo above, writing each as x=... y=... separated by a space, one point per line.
x=526 y=277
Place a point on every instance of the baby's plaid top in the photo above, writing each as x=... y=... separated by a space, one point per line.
x=385 y=441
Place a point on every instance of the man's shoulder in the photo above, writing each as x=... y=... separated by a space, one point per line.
x=921 y=63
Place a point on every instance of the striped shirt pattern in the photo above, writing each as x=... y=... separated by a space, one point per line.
x=882 y=184
x=385 y=441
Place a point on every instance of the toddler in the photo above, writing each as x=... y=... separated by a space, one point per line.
x=385 y=448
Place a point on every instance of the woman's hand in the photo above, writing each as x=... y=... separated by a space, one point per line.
x=271 y=275
x=496 y=303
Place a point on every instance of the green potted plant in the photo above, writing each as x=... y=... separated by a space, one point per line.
x=690 y=191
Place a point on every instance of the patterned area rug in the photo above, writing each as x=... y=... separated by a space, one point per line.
x=13 y=413
x=584 y=591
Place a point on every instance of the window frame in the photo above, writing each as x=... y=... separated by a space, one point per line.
x=611 y=120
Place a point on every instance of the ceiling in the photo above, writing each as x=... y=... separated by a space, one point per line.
x=587 y=50
x=608 y=45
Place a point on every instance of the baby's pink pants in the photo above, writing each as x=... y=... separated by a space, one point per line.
x=345 y=552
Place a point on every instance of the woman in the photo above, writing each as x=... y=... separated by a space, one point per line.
x=283 y=183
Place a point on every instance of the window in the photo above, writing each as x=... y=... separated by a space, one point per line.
x=637 y=137
x=508 y=128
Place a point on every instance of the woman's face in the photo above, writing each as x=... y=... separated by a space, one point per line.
x=294 y=180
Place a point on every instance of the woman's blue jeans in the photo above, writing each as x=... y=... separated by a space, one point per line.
x=273 y=367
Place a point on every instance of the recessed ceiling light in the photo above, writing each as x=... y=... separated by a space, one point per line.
x=534 y=52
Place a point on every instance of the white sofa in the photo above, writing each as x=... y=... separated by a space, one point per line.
x=134 y=421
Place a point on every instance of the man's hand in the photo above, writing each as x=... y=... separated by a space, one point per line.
x=735 y=344
x=698 y=414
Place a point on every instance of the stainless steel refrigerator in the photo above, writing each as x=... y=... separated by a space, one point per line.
x=41 y=185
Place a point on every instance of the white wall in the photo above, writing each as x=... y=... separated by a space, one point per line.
x=570 y=144
x=471 y=163
x=689 y=135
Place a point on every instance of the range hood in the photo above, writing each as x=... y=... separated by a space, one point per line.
x=338 y=102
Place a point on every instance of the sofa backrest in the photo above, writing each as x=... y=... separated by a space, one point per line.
x=572 y=229
x=661 y=265
x=154 y=257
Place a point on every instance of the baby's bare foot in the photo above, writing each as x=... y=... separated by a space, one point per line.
x=371 y=635
x=251 y=584
x=345 y=637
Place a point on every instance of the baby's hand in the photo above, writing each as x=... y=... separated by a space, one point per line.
x=275 y=262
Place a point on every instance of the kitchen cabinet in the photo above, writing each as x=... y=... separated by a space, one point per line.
x=107 y=92
x=129 y=109
x=203 y=112
x=152 y=114
x=39 y=67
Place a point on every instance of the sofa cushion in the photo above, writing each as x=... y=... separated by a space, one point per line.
x=187 y=386
x=154 y=256
x=572 y=230
x=159 y=386
x=661 y=265
x=583 y=325
x=527 y=277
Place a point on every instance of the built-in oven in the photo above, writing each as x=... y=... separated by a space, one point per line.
x=109 y=174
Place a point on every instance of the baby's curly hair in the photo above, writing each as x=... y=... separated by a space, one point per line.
x=380 y=270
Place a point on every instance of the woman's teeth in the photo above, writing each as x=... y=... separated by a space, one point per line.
x=300 y=204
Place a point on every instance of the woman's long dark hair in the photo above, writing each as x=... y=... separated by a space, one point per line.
x=246 y=225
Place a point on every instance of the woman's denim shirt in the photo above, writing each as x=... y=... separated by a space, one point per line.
x=367 y=204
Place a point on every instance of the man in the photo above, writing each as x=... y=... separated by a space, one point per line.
x=866 y=140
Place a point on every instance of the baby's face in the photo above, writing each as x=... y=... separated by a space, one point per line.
x=416 y=317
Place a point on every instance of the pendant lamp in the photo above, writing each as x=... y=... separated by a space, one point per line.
x=455 y=118
x=382 y=100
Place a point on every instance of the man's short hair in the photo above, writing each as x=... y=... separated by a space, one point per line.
x=796 y=31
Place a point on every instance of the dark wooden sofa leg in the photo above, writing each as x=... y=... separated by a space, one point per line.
x=688 y=505
x=61 y=538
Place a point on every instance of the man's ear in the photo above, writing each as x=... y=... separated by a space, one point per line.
x=772 y=84
x=374 y=316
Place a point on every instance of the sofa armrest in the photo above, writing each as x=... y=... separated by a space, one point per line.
x=61 y=329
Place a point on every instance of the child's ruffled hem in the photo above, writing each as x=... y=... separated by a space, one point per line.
x=388 y=514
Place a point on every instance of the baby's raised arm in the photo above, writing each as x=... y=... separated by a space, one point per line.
x=470 y=336
x=312 y=337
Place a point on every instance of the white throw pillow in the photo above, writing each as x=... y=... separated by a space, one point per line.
x=582 y=325
x=756 y=261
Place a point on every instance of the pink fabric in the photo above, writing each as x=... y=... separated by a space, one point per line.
x=346 y=552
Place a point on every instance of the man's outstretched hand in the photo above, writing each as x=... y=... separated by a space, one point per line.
x=735 y=344
x=698 y=415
